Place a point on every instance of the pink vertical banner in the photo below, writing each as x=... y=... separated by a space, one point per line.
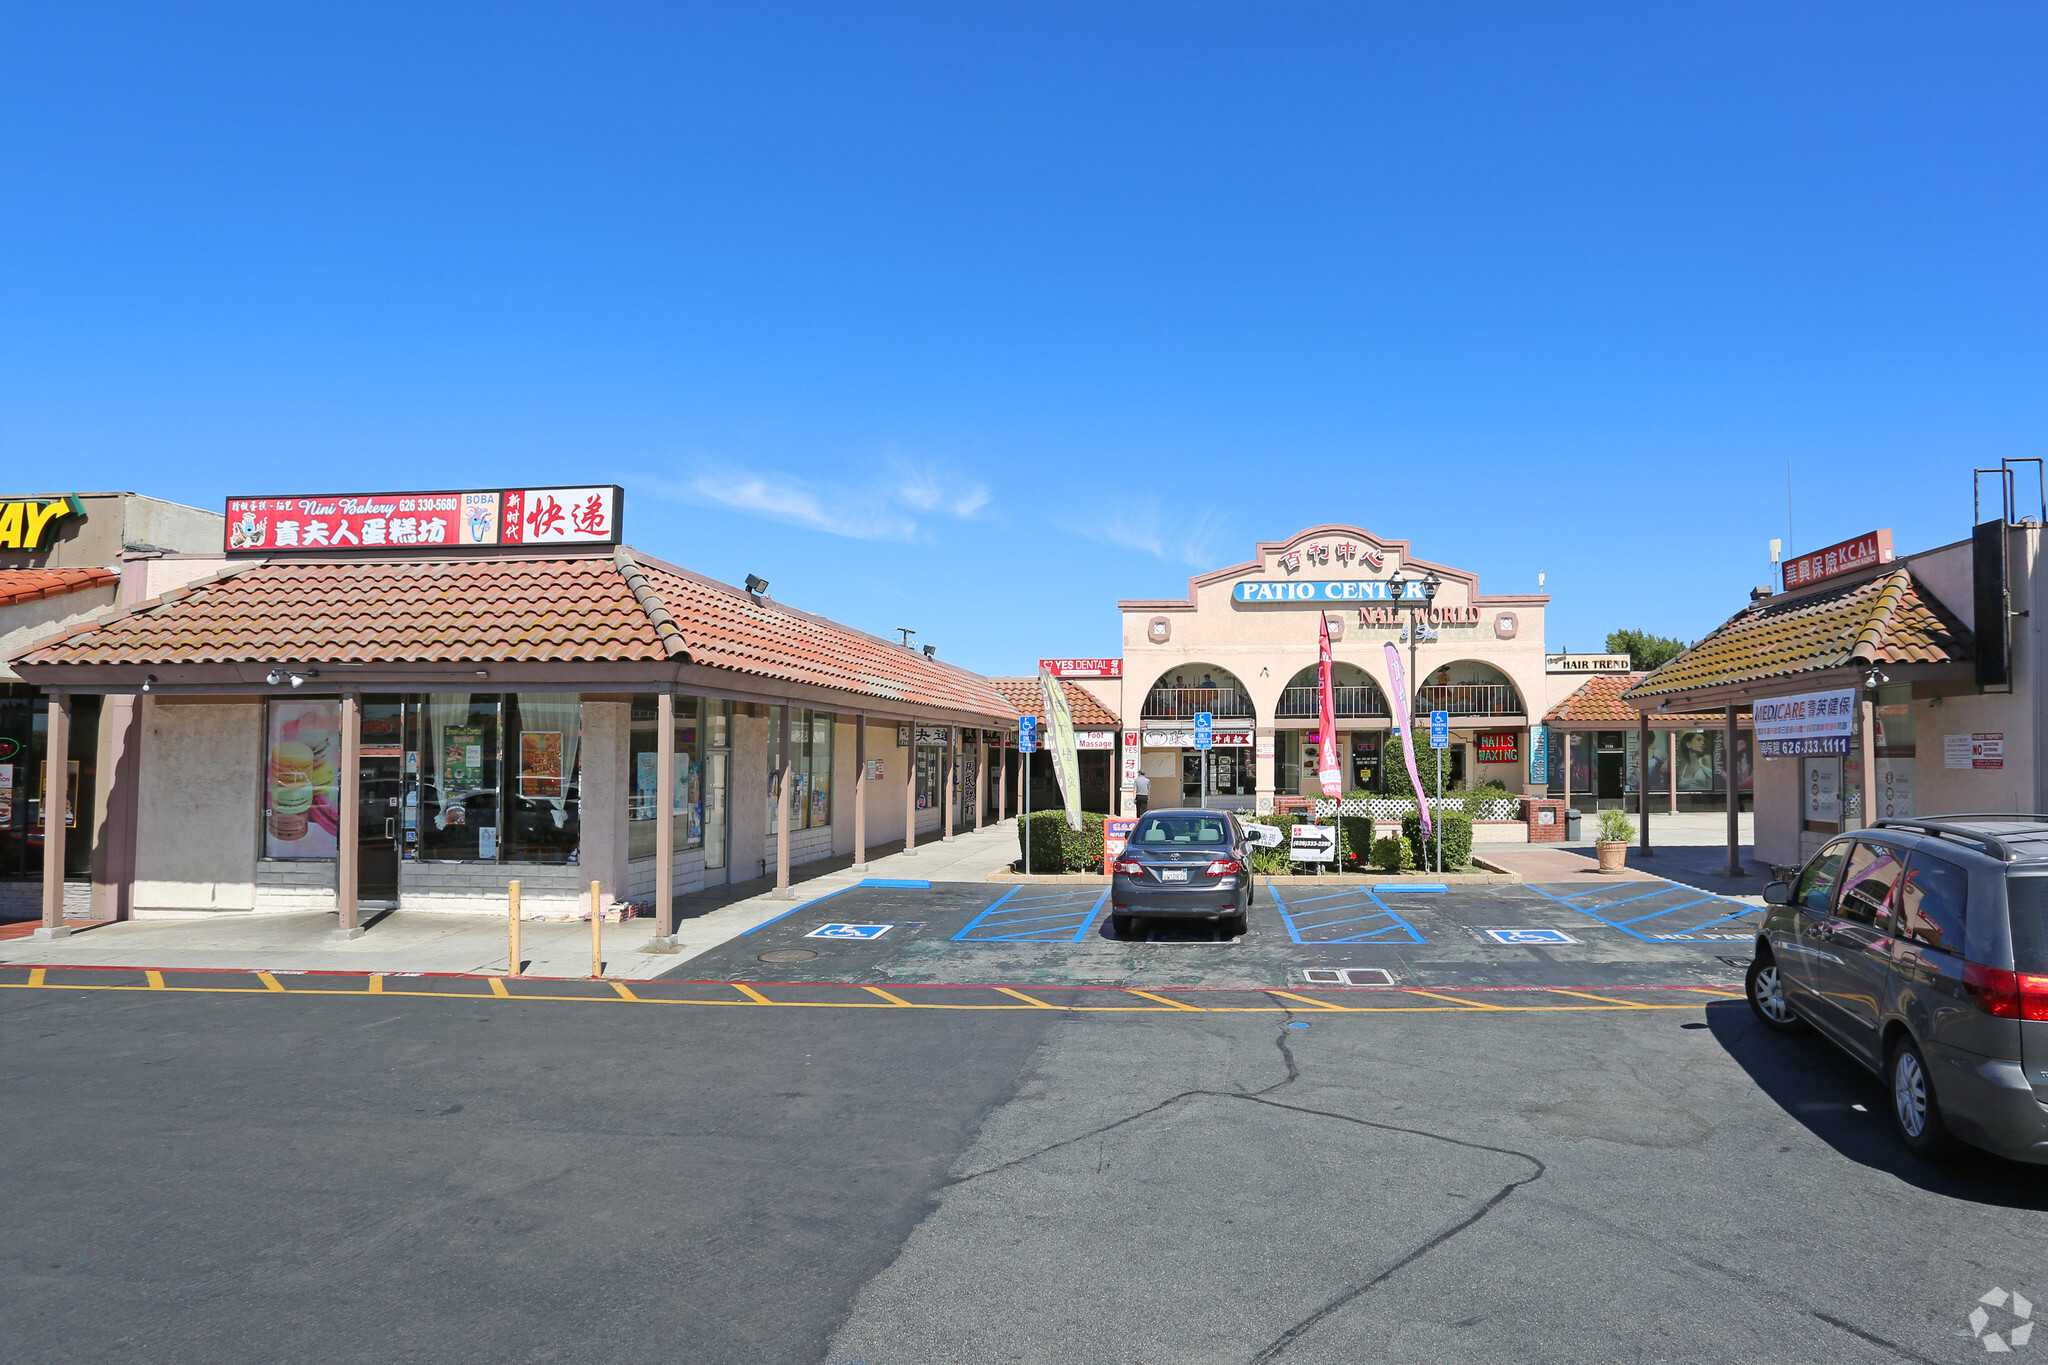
x=1398 y=677
x=1327 y=769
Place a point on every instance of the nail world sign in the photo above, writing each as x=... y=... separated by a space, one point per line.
x=387 y=521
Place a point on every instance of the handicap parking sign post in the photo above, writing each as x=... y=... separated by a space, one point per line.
x=1205 y=739
x=1439 y=729
x=1027 y=735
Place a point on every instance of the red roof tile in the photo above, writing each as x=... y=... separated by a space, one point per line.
x=511 y=609
x=1023 y=694
x=1598 y=702
x=26 y=585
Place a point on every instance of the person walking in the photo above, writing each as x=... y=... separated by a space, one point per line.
x=1144 y=791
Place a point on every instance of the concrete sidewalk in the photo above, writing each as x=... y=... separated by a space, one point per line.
x=1689 y=848
x=417 y=941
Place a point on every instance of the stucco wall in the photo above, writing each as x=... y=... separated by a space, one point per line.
x=198 y=788
x=602 y=852
x=22 y=624
x=1777 y=802
x=749 y=789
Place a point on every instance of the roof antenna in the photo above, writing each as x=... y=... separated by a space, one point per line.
x=906 y=632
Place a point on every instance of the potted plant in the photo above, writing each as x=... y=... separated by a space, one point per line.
x=1612 y=843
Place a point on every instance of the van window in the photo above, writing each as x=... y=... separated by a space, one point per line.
x=1817 y=884
x=1867 y=884
x=1934 y=900
x=2027 y=899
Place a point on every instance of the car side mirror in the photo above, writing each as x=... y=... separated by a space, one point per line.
x=1778 y=893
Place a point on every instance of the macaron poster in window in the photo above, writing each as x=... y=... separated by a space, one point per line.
x=302 y=814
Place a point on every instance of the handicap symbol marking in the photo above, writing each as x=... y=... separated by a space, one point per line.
x=850 y=931
x=1529 y=936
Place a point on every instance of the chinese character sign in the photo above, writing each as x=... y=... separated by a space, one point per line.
x=410 y=521
x=1866 y=551
x=1810 y=726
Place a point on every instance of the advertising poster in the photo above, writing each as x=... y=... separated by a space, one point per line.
x=540 y=763
x=462 y=758
x=1894 y=789
x=302 y=815
x=1116 y=834
x=6 y=796
x=1802 y=727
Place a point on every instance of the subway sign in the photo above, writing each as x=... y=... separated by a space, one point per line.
x=1332 y=590
x=33 y=523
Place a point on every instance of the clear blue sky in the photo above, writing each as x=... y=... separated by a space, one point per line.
x=976 y=318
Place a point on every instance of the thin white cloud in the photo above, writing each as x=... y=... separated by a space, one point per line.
x=927 y=491
x=1176 y=538
x=836 y=512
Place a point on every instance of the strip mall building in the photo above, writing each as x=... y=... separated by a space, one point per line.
x=1243 y=648
x=410 y=699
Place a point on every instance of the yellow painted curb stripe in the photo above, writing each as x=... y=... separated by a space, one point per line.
x=1319 y=1004
x=497 y=988
x=156 y=980
x=752 y=994
x=270 y=983
x=1583 y=995
x=1147 y=995
x=1019 y=995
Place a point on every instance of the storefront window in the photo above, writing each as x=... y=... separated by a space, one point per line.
x=1287 y=761
x=544 y=732
x=302 y=787
x=716 y=741
x=25 y=778
x=458 y=779
x=1365 y=760
x=810 y=768
x=930 y=766
x=1893 y=790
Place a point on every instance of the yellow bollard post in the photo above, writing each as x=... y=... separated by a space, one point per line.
x=512 y=924
x=596 y=935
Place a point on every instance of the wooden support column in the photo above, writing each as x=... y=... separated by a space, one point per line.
x=949 y=773
x=55 y=809
x=1643 y=779
x=782 y=774
x=980 y=775
x=348 y=851
x=1567 y=769
x=1734 y=868
x=860 y=792
x=1002 y=778
x=910 y=797
x=665 y=817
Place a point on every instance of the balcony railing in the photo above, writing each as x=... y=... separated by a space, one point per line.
x=1184 y=703
x=1361 y=700
x=1469 y=699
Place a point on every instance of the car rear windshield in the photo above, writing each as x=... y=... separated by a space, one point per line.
x=1163 y=831
x=2027 y=899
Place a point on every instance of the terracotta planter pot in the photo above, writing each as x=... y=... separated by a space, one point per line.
x=1613 y=854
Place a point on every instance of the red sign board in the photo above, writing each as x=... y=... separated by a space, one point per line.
x=1082 y=668
x=1500 y=746
x=387 y=521
x=1865 y=552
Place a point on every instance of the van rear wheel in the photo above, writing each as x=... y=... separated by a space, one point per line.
x=1915 y=1111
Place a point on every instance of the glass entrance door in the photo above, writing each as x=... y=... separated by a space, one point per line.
x=380 y=800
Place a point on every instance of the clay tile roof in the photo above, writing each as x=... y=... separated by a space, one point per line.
x=1882 y=620
x=1598 y=702
x=585 y=609
x=1089 y=713
x=722 y=627
x=26 y=585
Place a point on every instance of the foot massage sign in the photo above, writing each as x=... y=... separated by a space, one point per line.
x=1399 y=679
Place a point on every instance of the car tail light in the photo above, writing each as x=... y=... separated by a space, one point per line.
x=2033 y=997
x=1996 y=991
x=1131 y=869
x=1225 y=867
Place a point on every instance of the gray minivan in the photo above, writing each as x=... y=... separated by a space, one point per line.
x=1918 y=947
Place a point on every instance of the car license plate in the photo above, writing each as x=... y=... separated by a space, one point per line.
x=1173 y=874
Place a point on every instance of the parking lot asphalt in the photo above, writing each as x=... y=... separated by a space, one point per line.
x=326 y=1173
x=1302 y=935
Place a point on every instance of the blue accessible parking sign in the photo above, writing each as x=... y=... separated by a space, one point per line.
x=1439 y=729
x=850 y=931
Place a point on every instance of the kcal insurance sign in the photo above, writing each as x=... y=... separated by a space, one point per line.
x=1805 y=727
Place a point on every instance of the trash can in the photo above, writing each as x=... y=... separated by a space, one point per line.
x=1571 y=824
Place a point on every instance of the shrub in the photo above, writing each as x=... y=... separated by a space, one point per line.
x=1055 y=848
x=1273 y=862
x=1452 y=828
x=1395 y=767
x=1615 y=824
x=1357 y=840
x=1391 y=854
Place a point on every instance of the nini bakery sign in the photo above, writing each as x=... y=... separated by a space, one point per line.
x=386 y=521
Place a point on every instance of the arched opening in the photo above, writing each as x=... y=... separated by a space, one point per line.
x=1186 y=690
x=1468 y=688
x=1355 y=693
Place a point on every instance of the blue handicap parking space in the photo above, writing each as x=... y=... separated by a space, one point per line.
x=1037 y=914
x=1669 y=913
x=1355 y=914
x=850 y=931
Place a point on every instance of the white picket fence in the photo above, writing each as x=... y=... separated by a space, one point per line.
x=1392 y=808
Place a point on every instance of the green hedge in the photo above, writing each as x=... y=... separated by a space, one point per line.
x=1272 y=862
x=1392 y=854
x=1357 y=846
x=1055 y=848
x=1453 y=828
x=1394 y=768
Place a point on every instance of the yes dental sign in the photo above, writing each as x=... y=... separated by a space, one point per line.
x=1332 y=590
x=32 y=523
